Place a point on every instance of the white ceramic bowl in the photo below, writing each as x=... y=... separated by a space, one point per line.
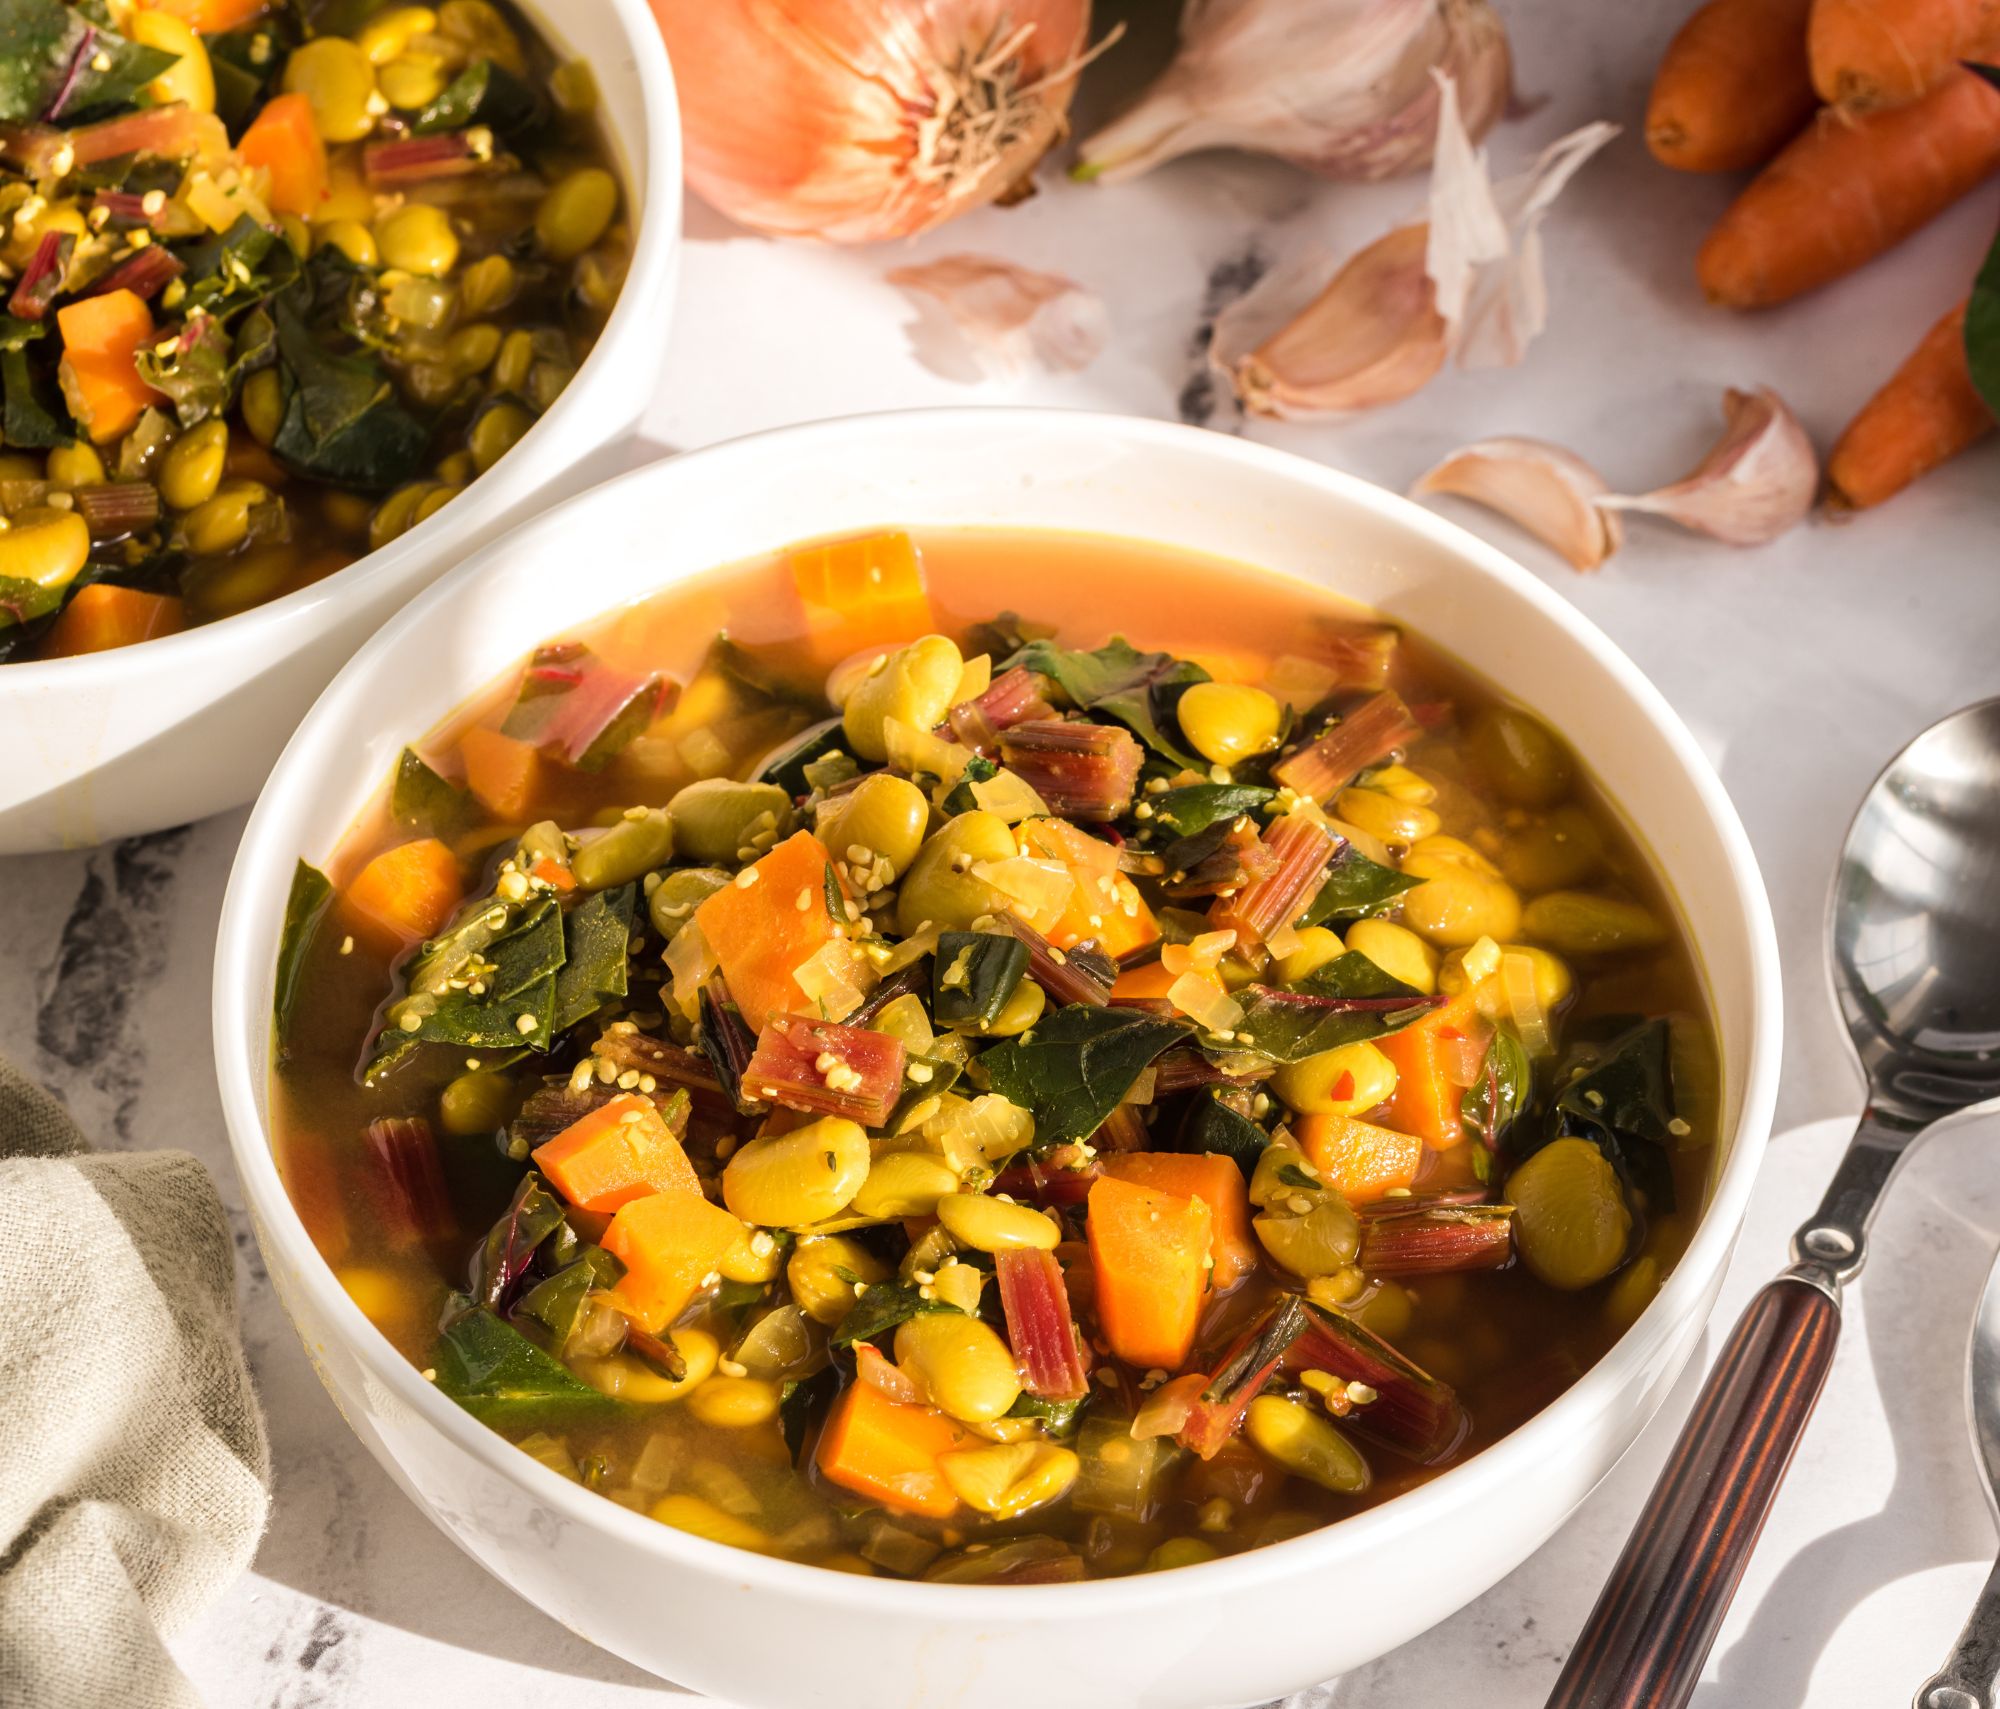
x=112 y=744
x=765 y=1632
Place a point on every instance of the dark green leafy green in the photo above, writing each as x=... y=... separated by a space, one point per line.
x=943 y=1075
x=421 y=800
x=1355 y=887
x=1058 y=1417
x=556 y=1302
x=1074 y=1068
x=342 y=422
x=511 y=1243
x=503 y=1379
x=1212 y=1126
x=973 y=974
x=18 y=334
x=1346 y=1001
x=305 y=907
x=198 y=374
x=32 y=413
x=473 y=988
x=68 y=63
x=597 y=939
x=1194 y=807
x=1616 y=1088
x=880 y=1307
x=1504 y=1089
x=801 y=1402
x=483 y=94
x=787 y=767
x=1123 y=683
x=231 y=270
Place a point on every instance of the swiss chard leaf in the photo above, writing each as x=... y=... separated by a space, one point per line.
x=1059 y=1418
x=556 y=1302
x=511 y=1243
x=787 y=767
x=1212 y=1126
x=483 y=94
x=1355 y=887
x=1194 y=807
x=1074 y=1068
x=18 y=334
x=230 y=270
x=32 y=415
x=944 y=1073
x=960 y=798
x=1982 y=313
x=67 y=62
x=973 y=974
x=880 y=1307
x=421 y=800
x=1504 y=1089
x=305 y=907
x=597 y=938
x=1344 y=1002
x=802 y=1401
x=111 y=74
x=515 y=972
x=502 y=1378
x=1121 y=682
x=342 y=422
x=1619 y=1092
x=198 y=373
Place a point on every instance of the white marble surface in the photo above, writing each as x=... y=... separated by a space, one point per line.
x=1801 y=667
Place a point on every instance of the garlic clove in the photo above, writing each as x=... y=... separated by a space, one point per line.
x=1372 y=336
x=1340 y=87
x=1550 y=492
x=1758 y=479
x=1009 y=317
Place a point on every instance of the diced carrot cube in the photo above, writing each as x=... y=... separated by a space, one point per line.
x=1427 y=1099
x=99 y=371
x=768 y=924
x=1359 y=1160
x=408 y=891
x=862 y=592
x=504 y=775
x=621 y=1151
x=888 y=1452
x=284 y=141
x=1149 y=980
x=1106 y=905
x=100 y=617
x=1211 y=1178
x=670 y=1244
x=1149 y=1255
x=212 y=17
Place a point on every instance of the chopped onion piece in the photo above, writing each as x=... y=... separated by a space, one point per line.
x=690 y=960
x=1524 y=1002
x=836 y=977
x=912 y=750
x=1165 y=1411
x=1036 y=889
x=890 y=1380
x=1202 y=998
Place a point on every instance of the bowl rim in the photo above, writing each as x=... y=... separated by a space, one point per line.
x=657 y=150
x=241 y=988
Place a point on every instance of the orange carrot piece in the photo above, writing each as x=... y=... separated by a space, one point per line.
x=100 y=617
x=1358 y=1160
x=888 y=1451
x=1106 y=905
x=283 y=140
x=408 y=891
x=862 y=592
x=1149 y=1260
x=760 y=933
x=99 y=371
x=1886 y=53
x=621 y=1151
x=1927 y=413
x=1427 y=1100
x=504 y=775
x=1732 y=87
x=211 y=17
x=1844 y=191
x=1218 y=1183
x=1148 y=979
x=670 y=1244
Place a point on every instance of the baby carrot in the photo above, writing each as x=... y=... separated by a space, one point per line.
x=1928 y=412
x=1732 y=86
x=1885 y=53
x=1845 y=190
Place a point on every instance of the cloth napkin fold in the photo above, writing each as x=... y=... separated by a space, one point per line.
x=134 y=1475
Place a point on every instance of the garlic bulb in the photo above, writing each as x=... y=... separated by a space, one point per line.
x=853 y=120
x=1757 y=481
x=1341 y=87
x=1008 y=316
x=1468 y=280
x=1552 y=493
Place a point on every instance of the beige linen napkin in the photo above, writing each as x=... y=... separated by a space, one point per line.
x=133 y=1470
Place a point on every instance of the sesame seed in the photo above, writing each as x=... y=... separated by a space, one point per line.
x=346 y=946
x=804 y=899
x=410 y=1021
x=746 y=878
x=628 y=1081
x=732 y=1368
x=524 y=1024
x=1360 y=1393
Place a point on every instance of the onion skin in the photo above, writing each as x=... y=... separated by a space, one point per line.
x=836 y=119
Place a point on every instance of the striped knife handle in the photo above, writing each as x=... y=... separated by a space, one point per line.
x=1645 y=1642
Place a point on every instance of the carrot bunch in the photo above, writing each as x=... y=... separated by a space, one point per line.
x=1866 y=123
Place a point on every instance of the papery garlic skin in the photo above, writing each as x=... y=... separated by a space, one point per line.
x=1009 y=316
x=1552 y=493
x=1340 y=87
x=1372 y=336
x=857 y=120
x=1758 y=480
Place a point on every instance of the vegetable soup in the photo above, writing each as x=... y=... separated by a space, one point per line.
x=1003 y=1095
x=278 y=283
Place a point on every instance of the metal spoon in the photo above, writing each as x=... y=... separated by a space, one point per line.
x=1913 y=932
x=1966 y=1680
